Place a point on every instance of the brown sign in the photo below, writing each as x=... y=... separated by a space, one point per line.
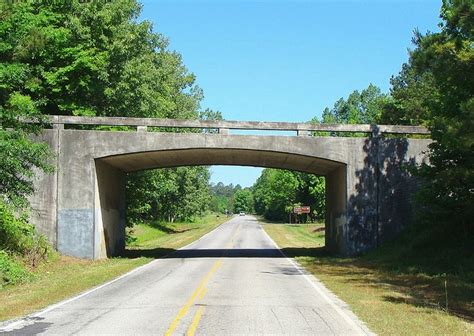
x=305 y=209
x=302 y=210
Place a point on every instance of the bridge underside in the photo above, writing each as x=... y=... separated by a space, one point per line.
x=81 y=208
x=232 y=157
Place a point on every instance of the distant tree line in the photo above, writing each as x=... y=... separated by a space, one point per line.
x=274 y=195
x=223 y=197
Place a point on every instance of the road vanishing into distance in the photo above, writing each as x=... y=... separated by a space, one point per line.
x=232 y=281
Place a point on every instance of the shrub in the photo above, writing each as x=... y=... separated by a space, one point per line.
x=15 y=232
x=11 y=270
x=18 y=237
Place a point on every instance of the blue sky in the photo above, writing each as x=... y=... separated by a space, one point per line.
x=277 y=60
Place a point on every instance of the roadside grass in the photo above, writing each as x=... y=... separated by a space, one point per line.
x=389 y=294
x=173 y=235
x=297 y=235
x=64 y=277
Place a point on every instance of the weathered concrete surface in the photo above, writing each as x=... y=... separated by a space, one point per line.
x=44 y=201
x=368 y=193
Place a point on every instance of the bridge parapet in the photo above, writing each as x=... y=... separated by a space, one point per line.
x=223 y=126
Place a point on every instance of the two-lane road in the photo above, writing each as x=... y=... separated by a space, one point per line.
x=232 y=281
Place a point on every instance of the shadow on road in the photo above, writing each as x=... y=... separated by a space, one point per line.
x=158 y=253
x=418 y=290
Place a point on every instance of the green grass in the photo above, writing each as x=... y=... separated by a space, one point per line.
x=64 y=277
x=173 y=235
x=154 y=240
x=299 y=235
x=388 y=293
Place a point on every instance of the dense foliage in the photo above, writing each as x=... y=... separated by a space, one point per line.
x=19 y=155
x=223 y=197
x=436 y=87
x=363 y=107
x=276 y=192
x=90 y=58
x=95 y=58
x=243 y=201
x=168 y=194
x=20 y=246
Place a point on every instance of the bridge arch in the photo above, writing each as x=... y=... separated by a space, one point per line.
x=81 y=207
x=110 y=180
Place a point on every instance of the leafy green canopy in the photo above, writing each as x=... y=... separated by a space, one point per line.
x=277 y=191
x=363 y=107
x=243 y=201
x=445 y=62
x=19 y=155
x=223 y=197
x=168 y=194
x=92 y=58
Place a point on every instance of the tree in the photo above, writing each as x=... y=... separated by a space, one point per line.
x=19 y=155
x=312 y=191
x=243 y=201
x=274 y=191
x=168 y=194
x=93 y=58
x=448 y=58
x=363 y=107
x=89 y=58
x=223 y=197
x=277 y=191
x=412 y=97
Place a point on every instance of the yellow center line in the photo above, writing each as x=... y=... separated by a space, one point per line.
x=195 y=323
x=183 y=311
x=201 y=292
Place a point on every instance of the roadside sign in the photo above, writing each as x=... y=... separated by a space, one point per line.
x=302 y=209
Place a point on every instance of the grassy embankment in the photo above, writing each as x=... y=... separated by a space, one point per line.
x=64 y=277
x=391 y=295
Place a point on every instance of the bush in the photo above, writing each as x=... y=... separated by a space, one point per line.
x=18 y=237
x=11 y=270
x=15 y=232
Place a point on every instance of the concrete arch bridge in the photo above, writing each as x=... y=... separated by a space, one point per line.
x=81 y=207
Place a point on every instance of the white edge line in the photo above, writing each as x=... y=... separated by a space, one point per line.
x=12 y=324
x=311 y=279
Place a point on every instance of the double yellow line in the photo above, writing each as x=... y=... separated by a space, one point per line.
x=199 y=292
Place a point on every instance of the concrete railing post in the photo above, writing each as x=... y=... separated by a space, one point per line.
x=142 y=129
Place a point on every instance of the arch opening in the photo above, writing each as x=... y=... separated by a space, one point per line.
x=111 y=172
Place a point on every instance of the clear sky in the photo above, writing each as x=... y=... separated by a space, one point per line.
x=277 y=60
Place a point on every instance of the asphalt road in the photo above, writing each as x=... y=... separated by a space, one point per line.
x=231 y=281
